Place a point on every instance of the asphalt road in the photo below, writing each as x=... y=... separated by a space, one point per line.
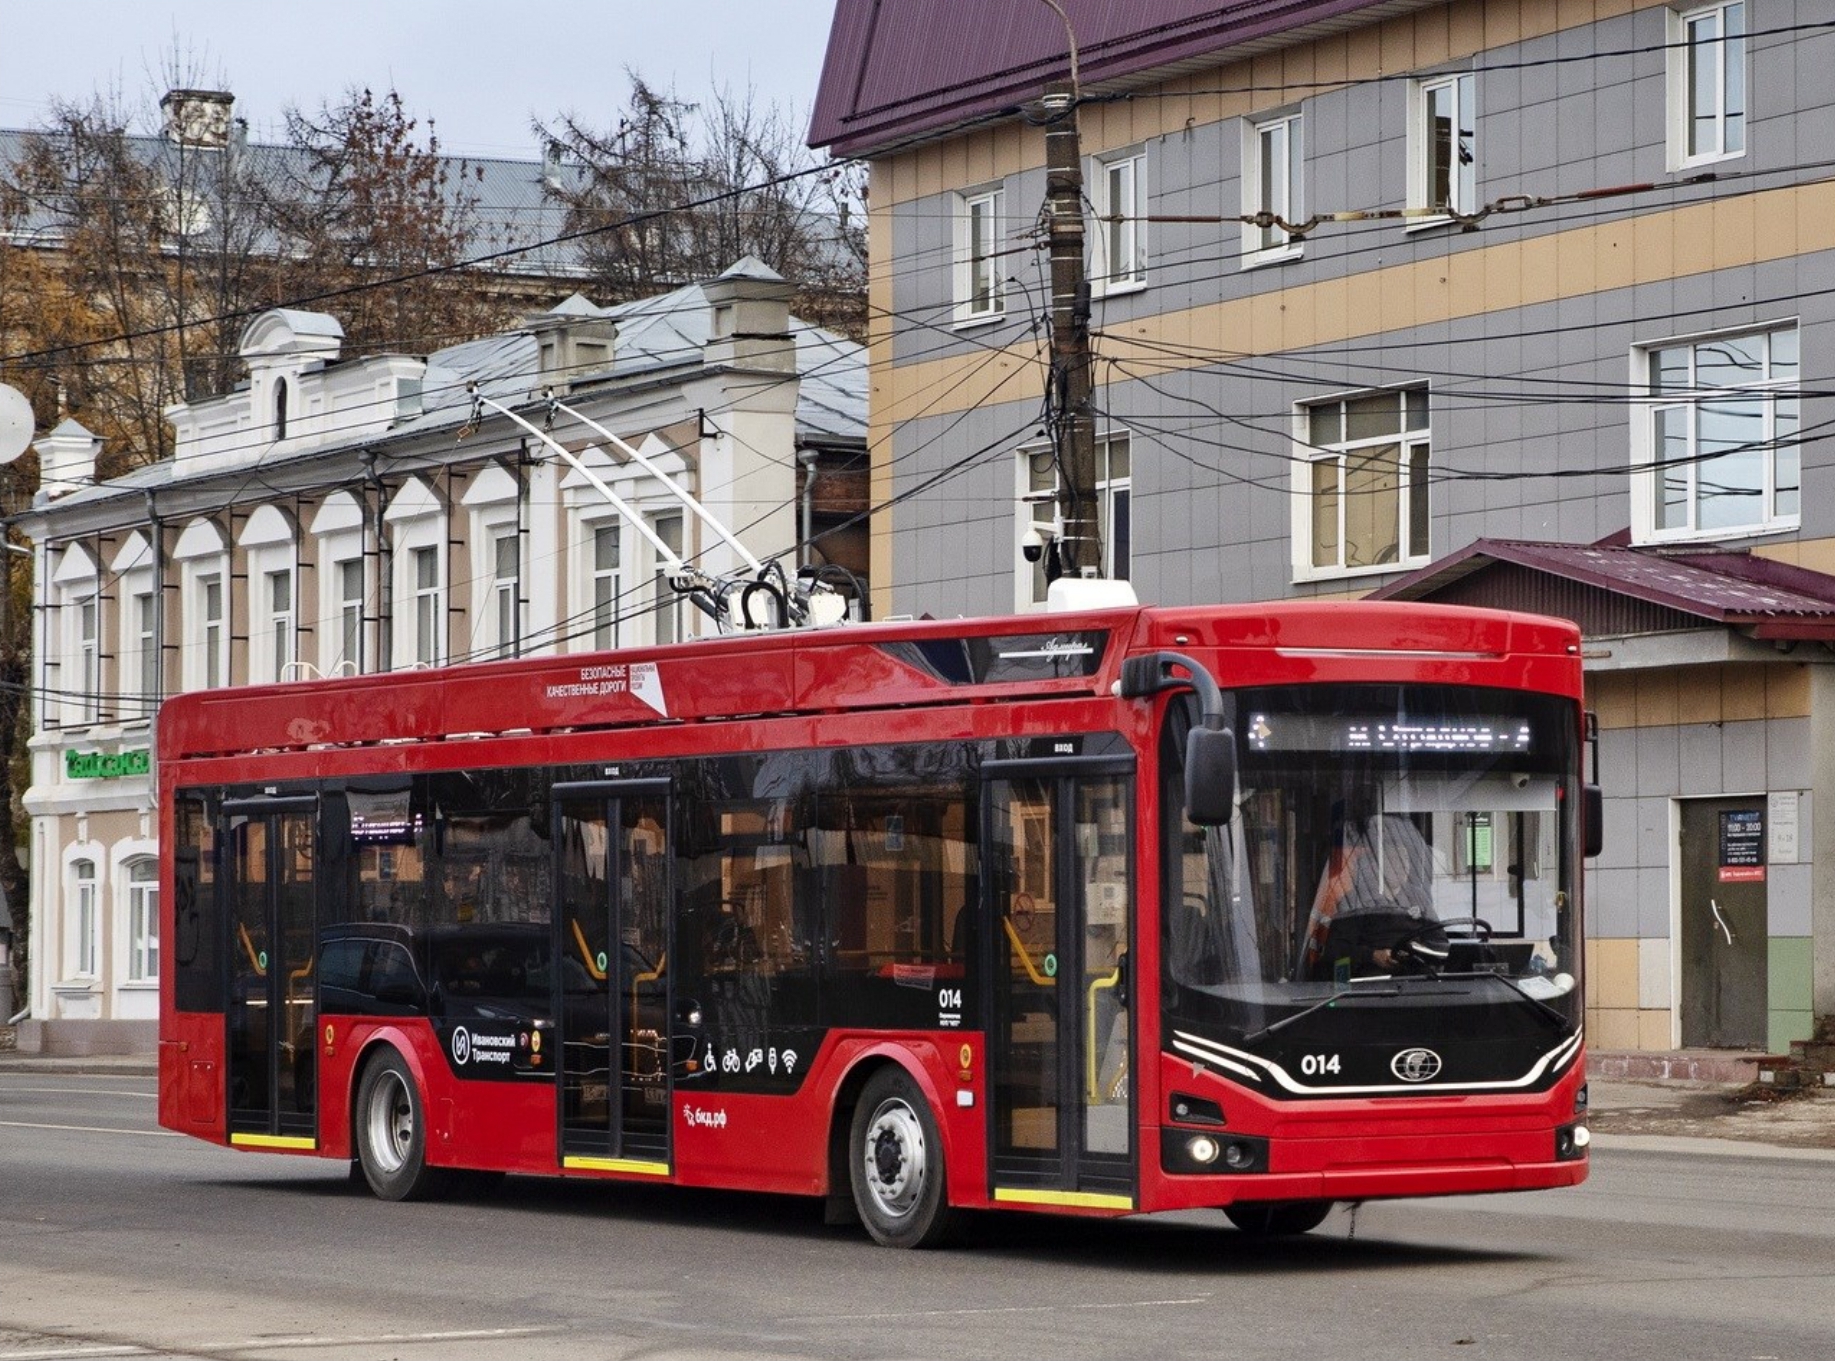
x=117 y=1240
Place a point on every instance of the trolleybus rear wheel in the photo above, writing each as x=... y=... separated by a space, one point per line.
x=392 y=1132
x=895 y=1158
x=1278 y=1218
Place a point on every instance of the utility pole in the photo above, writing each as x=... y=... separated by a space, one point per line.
x=1078 y=550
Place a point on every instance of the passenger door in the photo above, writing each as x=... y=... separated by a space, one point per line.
x=615 y=1000
x=1059 y=923
x=271 y=1013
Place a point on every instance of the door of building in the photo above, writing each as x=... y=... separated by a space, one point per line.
x=1058 y=924
x=1724 y=935
x=271 y=1013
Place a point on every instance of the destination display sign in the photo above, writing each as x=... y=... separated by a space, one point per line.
x=1336 y=732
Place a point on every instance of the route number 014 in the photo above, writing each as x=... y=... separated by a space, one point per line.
x=1312 y=1065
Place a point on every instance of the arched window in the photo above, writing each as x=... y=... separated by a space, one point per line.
x=280 y=408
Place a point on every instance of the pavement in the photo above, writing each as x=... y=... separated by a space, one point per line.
x=1657 y=1114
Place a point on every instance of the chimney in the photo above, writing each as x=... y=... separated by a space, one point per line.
x=66 y=460
x=198 y=118
x=749 y=318
x=573 y=342
x=551 y=167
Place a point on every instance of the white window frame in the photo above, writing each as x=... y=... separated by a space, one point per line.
x=1778 y=395
x=1268 y=246
x=978 y=243
x=668 y=621
x=349 y=614
x=85 y=930
x=140 y=885
x=419 y=635
x=279 y=622
x=1725 y=55
x=1411 y=441
x=86 y=647
x=505 y=591
x=203 y=559
x=138 y=680
x=603 y=603
x=1118 y=250
x=340 y=533
x=1036 y=500
x=425 y=639
x=1463 y=180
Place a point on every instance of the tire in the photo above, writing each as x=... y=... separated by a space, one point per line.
x=895 y=1163
x=1278 y=1218
x=391 y=1129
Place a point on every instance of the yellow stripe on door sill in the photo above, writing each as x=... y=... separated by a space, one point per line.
x=1082 y=1200
x=616 y=1165
x=272 y=1141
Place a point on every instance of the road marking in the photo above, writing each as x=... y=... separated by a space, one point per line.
x=269 y=1343
x=94 y=1129
x=1008 y=1309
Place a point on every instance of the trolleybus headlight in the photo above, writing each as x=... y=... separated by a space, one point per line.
x=1580 y=1098
x=1202 y=1148
x=1238 y=1156
x=1571 y=1142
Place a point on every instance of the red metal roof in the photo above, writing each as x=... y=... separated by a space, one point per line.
x=898 y=69
x=1725 y=586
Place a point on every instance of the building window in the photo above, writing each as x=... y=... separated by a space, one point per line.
x=280 y=409
x=426 y=606
x=1443 y=139
x=668 y=603
x=210 y=608
x=1272 y=182
x=606 y=586
x=350 y=613
x=280 y=620
x=1719 y=449
x=146 y=644
x=84 y=955
x=1707 y=84
x=506 y=586
x=89 y=659
x=978 y=259
x=1038 y=511
x=1118 y=192
x=1366 y=489
x=143 y=921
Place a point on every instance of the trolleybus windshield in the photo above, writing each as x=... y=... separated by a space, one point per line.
x=1392 y=847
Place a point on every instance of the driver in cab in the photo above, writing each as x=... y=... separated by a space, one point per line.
x=1373 y=911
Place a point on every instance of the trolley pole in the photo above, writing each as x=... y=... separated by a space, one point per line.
x=1074 y=427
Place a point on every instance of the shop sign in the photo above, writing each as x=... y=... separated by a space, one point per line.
x=107 y=765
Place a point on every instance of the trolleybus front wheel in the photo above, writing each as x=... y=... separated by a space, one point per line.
x=392 y=1132
x=896 y=1162
x=1278 y=1218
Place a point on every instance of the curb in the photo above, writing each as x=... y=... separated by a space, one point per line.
x=90 y=1067
x=1697 y=1146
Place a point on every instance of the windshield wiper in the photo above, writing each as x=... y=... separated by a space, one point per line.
x=1349 y=990
x=1549 y=1013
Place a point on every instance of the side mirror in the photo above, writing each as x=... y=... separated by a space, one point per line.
x=1593 y=819
x=1210 y=776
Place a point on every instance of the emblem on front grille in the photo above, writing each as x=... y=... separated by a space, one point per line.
x=1415 y=1065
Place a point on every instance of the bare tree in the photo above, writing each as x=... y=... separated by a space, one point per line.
x=369 y=201
x=676 y=191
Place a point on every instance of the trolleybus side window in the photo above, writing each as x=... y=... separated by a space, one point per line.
x=895 y=848
x=198 y=963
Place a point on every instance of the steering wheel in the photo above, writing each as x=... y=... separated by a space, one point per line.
x=1481 y=930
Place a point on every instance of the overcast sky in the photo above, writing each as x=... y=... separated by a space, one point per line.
x=481 y=69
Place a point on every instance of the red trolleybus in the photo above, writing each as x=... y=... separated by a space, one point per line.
x=1256 y=908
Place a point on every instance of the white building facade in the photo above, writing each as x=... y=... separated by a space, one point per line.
x=348 y=516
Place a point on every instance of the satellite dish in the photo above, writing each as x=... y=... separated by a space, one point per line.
x=16 y=423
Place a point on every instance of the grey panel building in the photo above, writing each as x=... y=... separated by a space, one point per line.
x=1416 y=299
